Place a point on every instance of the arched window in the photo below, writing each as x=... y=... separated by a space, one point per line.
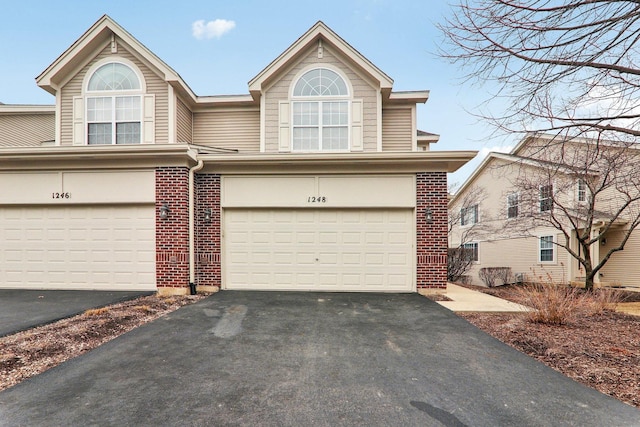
x=320 y=82
x=114 y=105
x=114 y=76
x=320 y=103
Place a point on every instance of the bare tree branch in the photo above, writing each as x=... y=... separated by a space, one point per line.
x=572 y=69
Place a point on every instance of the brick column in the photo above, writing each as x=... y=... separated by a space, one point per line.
x=172 y=234
x=431 y=238
x=207 y=233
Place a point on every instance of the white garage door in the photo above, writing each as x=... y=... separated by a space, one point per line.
x=311 y=249
x=78 y=247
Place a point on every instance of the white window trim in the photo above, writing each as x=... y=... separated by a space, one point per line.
x=540 y=199
x=477 y=250
x=475 y=220
x=329 y=67
x=348 y=98
x=579 y=181
x=553 y=248
x=517 y=195
x=114 y=122
x=110 y=60
x=113 y=94
x=320 y=126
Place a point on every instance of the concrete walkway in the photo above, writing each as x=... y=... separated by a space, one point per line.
x=465 y=299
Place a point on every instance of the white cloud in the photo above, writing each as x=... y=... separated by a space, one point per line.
x=208 y=30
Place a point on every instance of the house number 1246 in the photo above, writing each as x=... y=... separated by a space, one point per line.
x=65 y=195
x=317 y=199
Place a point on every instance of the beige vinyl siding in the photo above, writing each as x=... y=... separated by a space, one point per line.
x=493 y=230
x=496 y=179
x=362 y=90
x=397 y=129
x=26 y=130
x=623 y=266
x=237 y=129
x=521 y=255
x=184 y=131
x=155 y=85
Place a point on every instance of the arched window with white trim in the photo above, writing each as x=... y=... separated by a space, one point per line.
x=320 y=112
x=114 y=105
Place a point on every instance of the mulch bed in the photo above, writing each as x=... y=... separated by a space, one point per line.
x=33 y=351
x=601 y=351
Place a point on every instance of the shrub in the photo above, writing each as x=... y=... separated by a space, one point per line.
x=144 y=308
x=96 y=311
x=459 y=261
x=601 y=300
x=492 y=276
x=465 y=280
x=553 y=304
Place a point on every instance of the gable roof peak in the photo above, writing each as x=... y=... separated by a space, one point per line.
x=319 y=29
x=81 y=51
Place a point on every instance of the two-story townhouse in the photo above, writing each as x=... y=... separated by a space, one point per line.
x=526 y=209
x=317 y=179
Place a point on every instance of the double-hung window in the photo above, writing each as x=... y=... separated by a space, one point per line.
x=513 y=201
x=320 y=110
x=114 y=105
x=546 y=249
x=582 y=191
x=546 y=198
x=472 y=250
x=469 y=215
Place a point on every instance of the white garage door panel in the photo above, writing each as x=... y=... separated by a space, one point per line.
x=329 y=250
x=78 y=247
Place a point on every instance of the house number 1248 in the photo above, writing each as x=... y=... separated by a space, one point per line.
x=317 y=199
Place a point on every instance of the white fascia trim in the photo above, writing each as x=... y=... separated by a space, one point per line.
x=472 y=177
x=428 y=138
x=320 y=30
x=413 y=95
x=223 y=99
x=10 y=109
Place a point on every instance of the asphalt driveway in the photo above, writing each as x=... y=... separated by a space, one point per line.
x=290 y=359
x=22 y=309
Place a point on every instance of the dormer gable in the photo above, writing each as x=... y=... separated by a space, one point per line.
x=318 y=36
x=105 y=32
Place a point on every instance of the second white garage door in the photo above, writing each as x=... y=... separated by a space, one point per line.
x=319 y=249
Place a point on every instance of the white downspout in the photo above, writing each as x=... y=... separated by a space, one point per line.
x=192 y=242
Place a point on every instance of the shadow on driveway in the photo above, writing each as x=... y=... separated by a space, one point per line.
x=23 y=309
x=314 y=359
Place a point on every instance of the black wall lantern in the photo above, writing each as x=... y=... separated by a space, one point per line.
x=207 y=215
x=164 y=210
x=428 y=216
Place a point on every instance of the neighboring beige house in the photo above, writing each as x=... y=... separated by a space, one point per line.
x=316 y=179
x=502 y=213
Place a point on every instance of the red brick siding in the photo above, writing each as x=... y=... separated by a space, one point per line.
x=207 y=234
x=431 y=249
x=172 y=234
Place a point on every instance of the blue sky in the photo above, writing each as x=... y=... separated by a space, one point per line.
x=398 y=36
